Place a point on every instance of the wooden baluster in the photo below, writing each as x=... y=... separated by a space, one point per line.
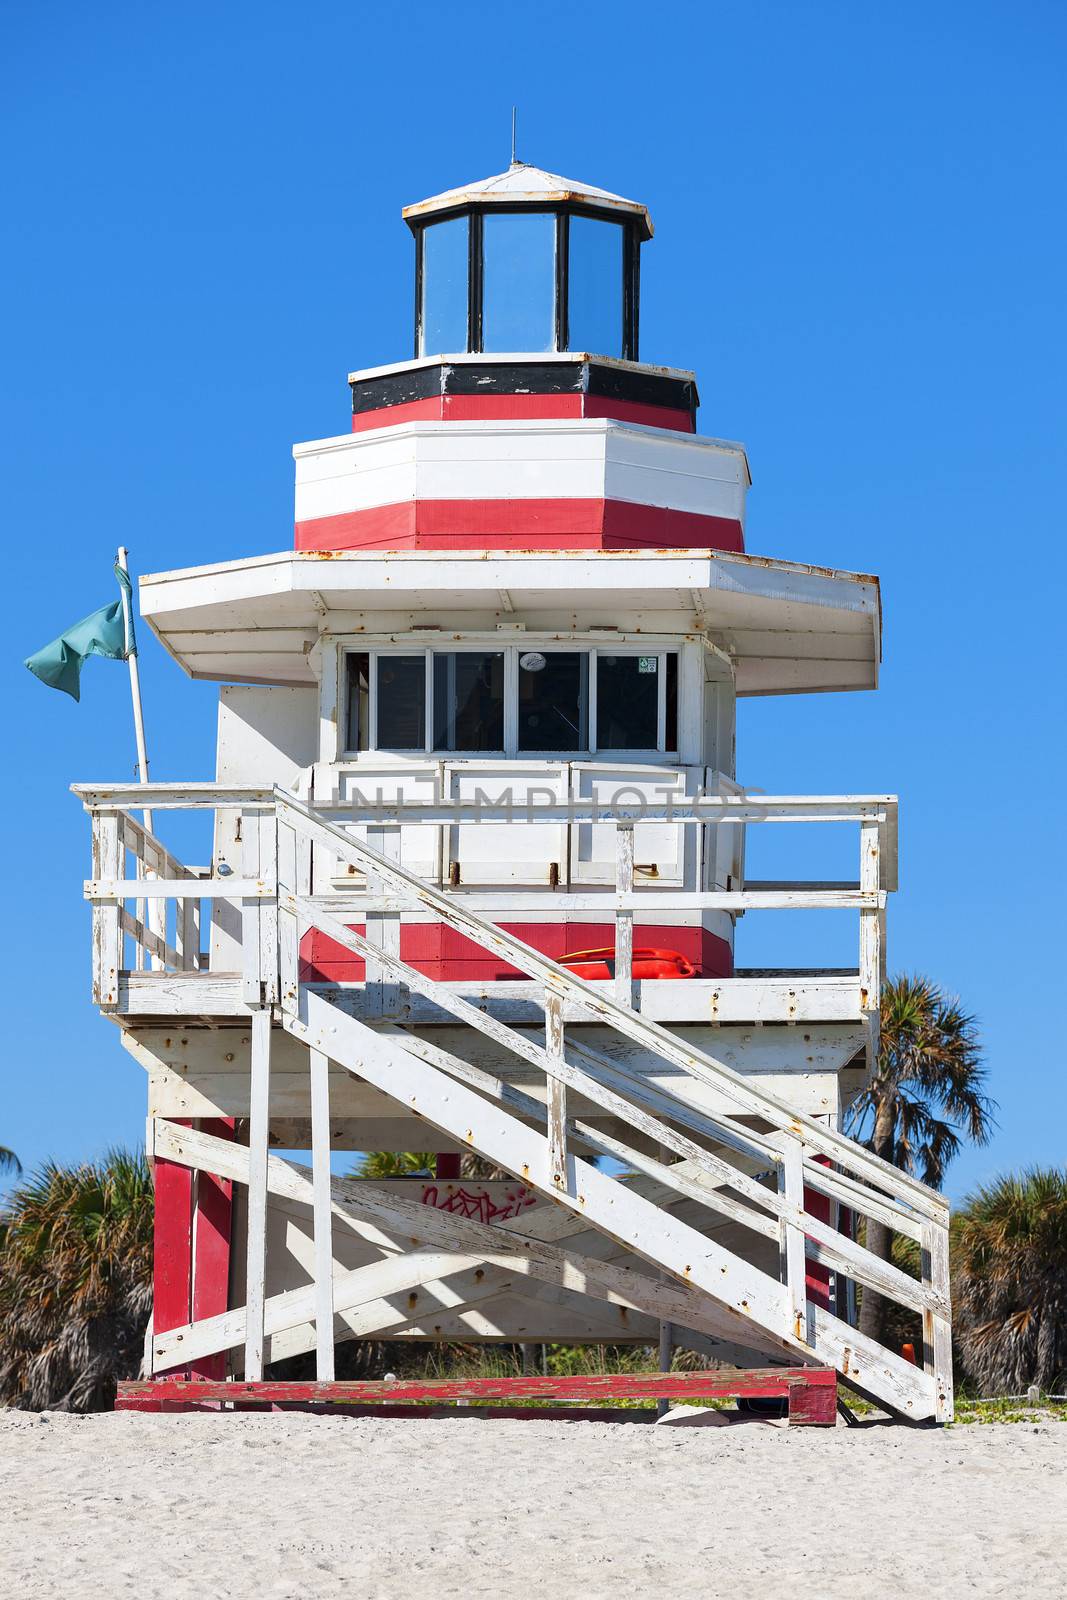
x=625 y=988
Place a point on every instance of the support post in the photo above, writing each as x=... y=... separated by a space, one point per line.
x=322 y=1210
x=258 y=1140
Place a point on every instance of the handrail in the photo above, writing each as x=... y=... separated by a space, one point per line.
x=640 y=1029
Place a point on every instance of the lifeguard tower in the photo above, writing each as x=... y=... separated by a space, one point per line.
x=478 y=859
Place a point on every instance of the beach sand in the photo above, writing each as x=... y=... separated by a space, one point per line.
x=296 y=1505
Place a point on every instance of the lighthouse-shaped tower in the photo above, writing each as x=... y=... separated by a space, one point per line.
x=478 y=859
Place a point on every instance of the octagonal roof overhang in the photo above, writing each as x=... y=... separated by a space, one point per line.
x=790 y=628
x=525 y=185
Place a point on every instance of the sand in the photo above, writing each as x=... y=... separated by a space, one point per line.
x=263 y=1506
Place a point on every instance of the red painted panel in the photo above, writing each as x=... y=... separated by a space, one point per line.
x=512 y=407
x=428 y=410
x=817 y=1277
x=172 y=1257
x=442 y=953
x=521 y=407
x=211 y=1248
x=598 y=405
x=538 y=524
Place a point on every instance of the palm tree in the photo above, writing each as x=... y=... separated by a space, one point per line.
x=75 y=1282
x=1009 y=1281
x=9 y=1161
x=926 y=1095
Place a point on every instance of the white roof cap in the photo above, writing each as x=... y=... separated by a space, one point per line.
x=524 y=185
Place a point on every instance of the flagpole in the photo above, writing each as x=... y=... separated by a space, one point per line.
x=135 y=688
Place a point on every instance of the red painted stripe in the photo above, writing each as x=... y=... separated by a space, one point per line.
x=442 y=953
x=545 y=524
x=522 y=407
x=646 y=416
x=211 y=1248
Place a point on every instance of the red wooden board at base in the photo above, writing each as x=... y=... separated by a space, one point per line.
x=811 y=1392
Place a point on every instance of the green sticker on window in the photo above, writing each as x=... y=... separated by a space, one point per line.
x=646 y=663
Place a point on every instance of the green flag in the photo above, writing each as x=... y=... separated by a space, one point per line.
x=108 y=632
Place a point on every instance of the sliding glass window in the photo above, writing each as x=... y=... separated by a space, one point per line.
x=517 y=701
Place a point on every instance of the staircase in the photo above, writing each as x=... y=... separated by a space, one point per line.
x=705 y=1220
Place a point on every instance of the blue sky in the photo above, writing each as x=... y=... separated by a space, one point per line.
x=859 y=248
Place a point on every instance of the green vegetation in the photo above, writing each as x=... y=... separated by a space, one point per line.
x=926 y=1095
x=1009 y=1279
x=75 y=1282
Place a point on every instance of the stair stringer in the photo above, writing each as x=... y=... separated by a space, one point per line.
x=750 y=1306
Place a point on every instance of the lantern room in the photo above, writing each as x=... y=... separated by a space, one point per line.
x=527 y=261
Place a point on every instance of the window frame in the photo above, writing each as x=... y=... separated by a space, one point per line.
x=629 y=340
x=511 y=650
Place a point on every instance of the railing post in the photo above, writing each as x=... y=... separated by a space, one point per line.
x=937 y=1329
x=557 y=1093
x=383 y=927
x=259 y=917
x=872 y=920
x=107 y=853
x=625 y=988
x=794 y=1261
x=294 y=877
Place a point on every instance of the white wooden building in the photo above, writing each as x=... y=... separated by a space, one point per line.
x=480 y=722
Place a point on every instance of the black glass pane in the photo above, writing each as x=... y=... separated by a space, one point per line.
x=627 y=702
x=553 y=698
x=670 y=732
x=401 y=702
x=519 y=293
x=468 y=701
x=357 y=667
x=594 y=275
x=444 y=287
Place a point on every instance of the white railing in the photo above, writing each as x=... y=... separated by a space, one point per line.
x=382 y=825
